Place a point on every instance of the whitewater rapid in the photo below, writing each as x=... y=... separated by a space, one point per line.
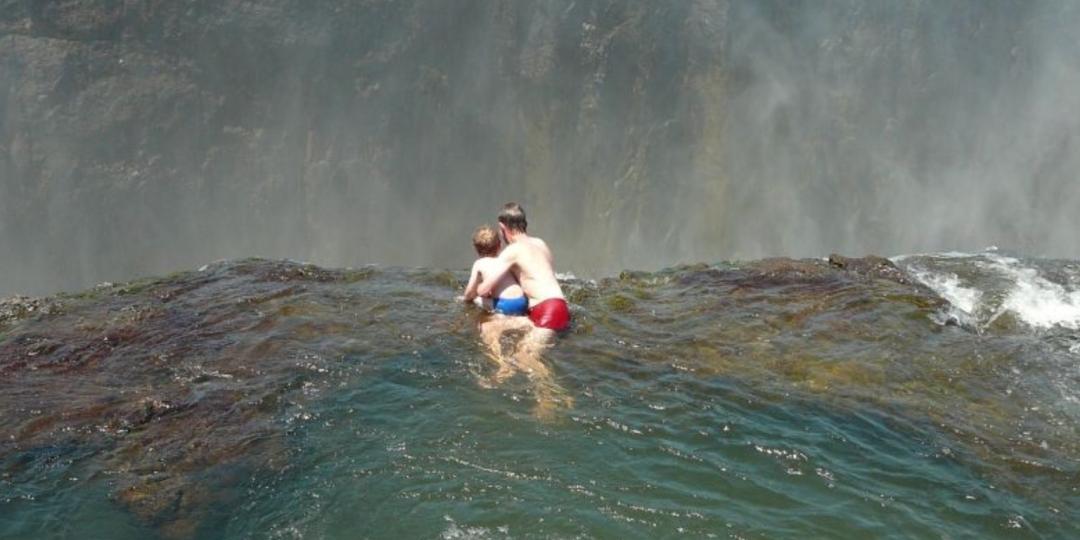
x=993 y=284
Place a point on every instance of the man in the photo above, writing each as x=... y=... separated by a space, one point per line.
x=531 y=262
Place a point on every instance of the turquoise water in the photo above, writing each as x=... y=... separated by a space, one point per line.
x=741 y=401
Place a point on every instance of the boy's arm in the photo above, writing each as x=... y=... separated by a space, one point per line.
x=474 y=282
x=496 y=271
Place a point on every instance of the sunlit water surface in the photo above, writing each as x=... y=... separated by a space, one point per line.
x=768 y=399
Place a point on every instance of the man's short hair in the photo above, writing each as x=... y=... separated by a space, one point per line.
x=513 y=216
x=486 y=241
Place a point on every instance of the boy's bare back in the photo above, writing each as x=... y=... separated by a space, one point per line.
x=506 y=287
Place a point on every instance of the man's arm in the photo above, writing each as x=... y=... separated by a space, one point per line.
x=503 y=263
x=474 y=282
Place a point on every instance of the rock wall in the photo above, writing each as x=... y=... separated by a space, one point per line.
x=144 y=136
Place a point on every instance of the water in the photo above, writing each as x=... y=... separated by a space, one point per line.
x=762 y=399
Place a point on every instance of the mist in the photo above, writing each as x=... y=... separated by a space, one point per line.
x=150 y=137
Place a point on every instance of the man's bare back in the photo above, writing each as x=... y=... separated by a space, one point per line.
x=531 y=263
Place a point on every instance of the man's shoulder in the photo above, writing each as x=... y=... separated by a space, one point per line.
x=527 y=244
x=526 y=248
x=538 y=245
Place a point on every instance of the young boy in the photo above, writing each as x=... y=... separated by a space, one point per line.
x=507 y=299
x=507 y=296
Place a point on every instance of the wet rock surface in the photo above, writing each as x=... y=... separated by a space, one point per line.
x=175 y=392
x=19 y=307
x=158 y=376
x=871 y=266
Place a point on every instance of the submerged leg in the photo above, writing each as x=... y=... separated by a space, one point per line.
x=528 y=351
x=491 y=332
x=549 y=395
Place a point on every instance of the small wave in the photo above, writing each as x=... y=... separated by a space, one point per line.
x=939 y=255
x=950 y=288
x=1002 y=284
x=964 y=301
x=455 y=532
x=1038 y=301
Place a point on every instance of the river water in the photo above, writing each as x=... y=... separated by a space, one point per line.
x=930 y=396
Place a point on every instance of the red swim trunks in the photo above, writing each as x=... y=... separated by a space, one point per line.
x=552 y=313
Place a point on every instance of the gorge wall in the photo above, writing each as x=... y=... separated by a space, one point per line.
x=141 y=137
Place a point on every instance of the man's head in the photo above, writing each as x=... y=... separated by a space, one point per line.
x=486 y=241
x=512 y=219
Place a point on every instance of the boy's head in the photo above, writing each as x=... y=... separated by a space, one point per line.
x=486 y=241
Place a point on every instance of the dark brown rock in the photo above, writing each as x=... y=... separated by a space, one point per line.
x=870 y=266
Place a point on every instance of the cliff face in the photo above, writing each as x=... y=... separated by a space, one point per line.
x=146 y=135
x=139 y=137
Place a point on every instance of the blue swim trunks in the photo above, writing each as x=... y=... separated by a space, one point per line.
x=511 y=306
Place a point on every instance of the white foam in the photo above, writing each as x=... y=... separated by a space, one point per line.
x=934 y=255
x=1038 y=301
x=455 y=532
x=988 y=250
x=964 y=300
x=949 y=287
